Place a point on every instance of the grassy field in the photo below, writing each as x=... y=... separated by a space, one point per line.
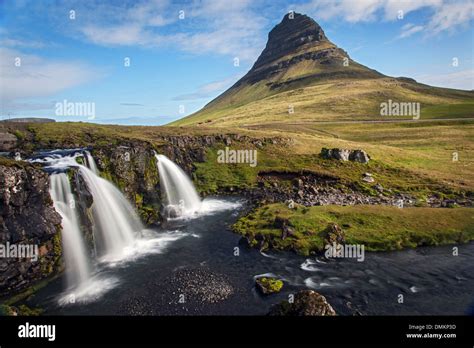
x=332 y=100
x=423 y=148
x=376 y=227
x=405 y=156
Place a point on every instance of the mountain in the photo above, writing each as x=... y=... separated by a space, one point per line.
x=302 y=76
x=29 y=120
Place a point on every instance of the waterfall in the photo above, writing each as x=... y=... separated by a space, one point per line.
x=78 y=270
x=115 y=222
x=91 y=163
x=180 y=195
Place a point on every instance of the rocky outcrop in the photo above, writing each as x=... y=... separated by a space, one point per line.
x=84 y=200
x=305 y=303
x=296 y=39
x=7 y=141
x=334 y=234
x=310 y=188
x=28 y=218
x=132 y=167
x=268 y=285
x=186 y=150
x=359 y=156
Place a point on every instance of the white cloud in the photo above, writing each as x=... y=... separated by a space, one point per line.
x=9 y=42
x=209 y=89
x=127 y=34
x=463 y=79
x=37 y=77
x=209 y=26
x=446 y=15
x=409 y=29
x=451 y=15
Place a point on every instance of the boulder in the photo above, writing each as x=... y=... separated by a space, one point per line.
x=359 y=156
x=306 y=303
x=268 y=285
x=338 y=154
x=367 y=177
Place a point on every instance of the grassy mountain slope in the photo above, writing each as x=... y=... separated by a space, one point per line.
x=301 y=76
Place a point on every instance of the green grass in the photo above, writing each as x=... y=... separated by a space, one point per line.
x=462 y=110
x=377 y=227
x=327 y=100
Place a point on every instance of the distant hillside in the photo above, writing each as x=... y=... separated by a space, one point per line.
x=29 y=120
x=302 y=76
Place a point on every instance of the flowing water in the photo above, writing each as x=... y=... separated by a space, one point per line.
x=431 y=279
x=76 y=257
x=179 y=192
x=116 y=225
x=144 y=280
x=91 y=162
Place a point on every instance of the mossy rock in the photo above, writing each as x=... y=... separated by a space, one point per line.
x=268 y=285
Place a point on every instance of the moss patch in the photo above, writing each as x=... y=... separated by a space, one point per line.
x=269 y=285
x=377 y=227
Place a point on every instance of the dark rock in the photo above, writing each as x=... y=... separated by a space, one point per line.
x=27 y=216
x=345 y=155
x=334 y=234
x=297 y=182
x=306 y=303
x=280 y=222
x=287 y=232
x=359 y=156
x=338 y=154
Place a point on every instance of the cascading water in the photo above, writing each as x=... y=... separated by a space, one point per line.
x=180 y=194
x=119 y=236
x=78 y=269
x=116 y=223
x=91 y=163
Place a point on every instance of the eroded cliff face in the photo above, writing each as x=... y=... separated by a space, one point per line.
x=27 y=218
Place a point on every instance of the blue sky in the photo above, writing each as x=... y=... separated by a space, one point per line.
x=182 y=52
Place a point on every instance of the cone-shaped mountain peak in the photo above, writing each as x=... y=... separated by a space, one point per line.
x=298 y=47
x=296 y=32
x=300 y=69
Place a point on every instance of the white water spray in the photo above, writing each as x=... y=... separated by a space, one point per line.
x=116 y=224
x=91 y=163
x=78 y=270
x=180 y=194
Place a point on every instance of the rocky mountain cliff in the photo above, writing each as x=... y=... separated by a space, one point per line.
x=298 y=47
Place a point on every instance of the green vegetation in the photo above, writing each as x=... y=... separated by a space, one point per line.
x=328 y=100
x=269 y=285
x=462 y=110
x=377 y=227
x=22 y=310
x=19 y=135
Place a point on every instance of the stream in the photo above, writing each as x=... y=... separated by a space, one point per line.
x=146 y=282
